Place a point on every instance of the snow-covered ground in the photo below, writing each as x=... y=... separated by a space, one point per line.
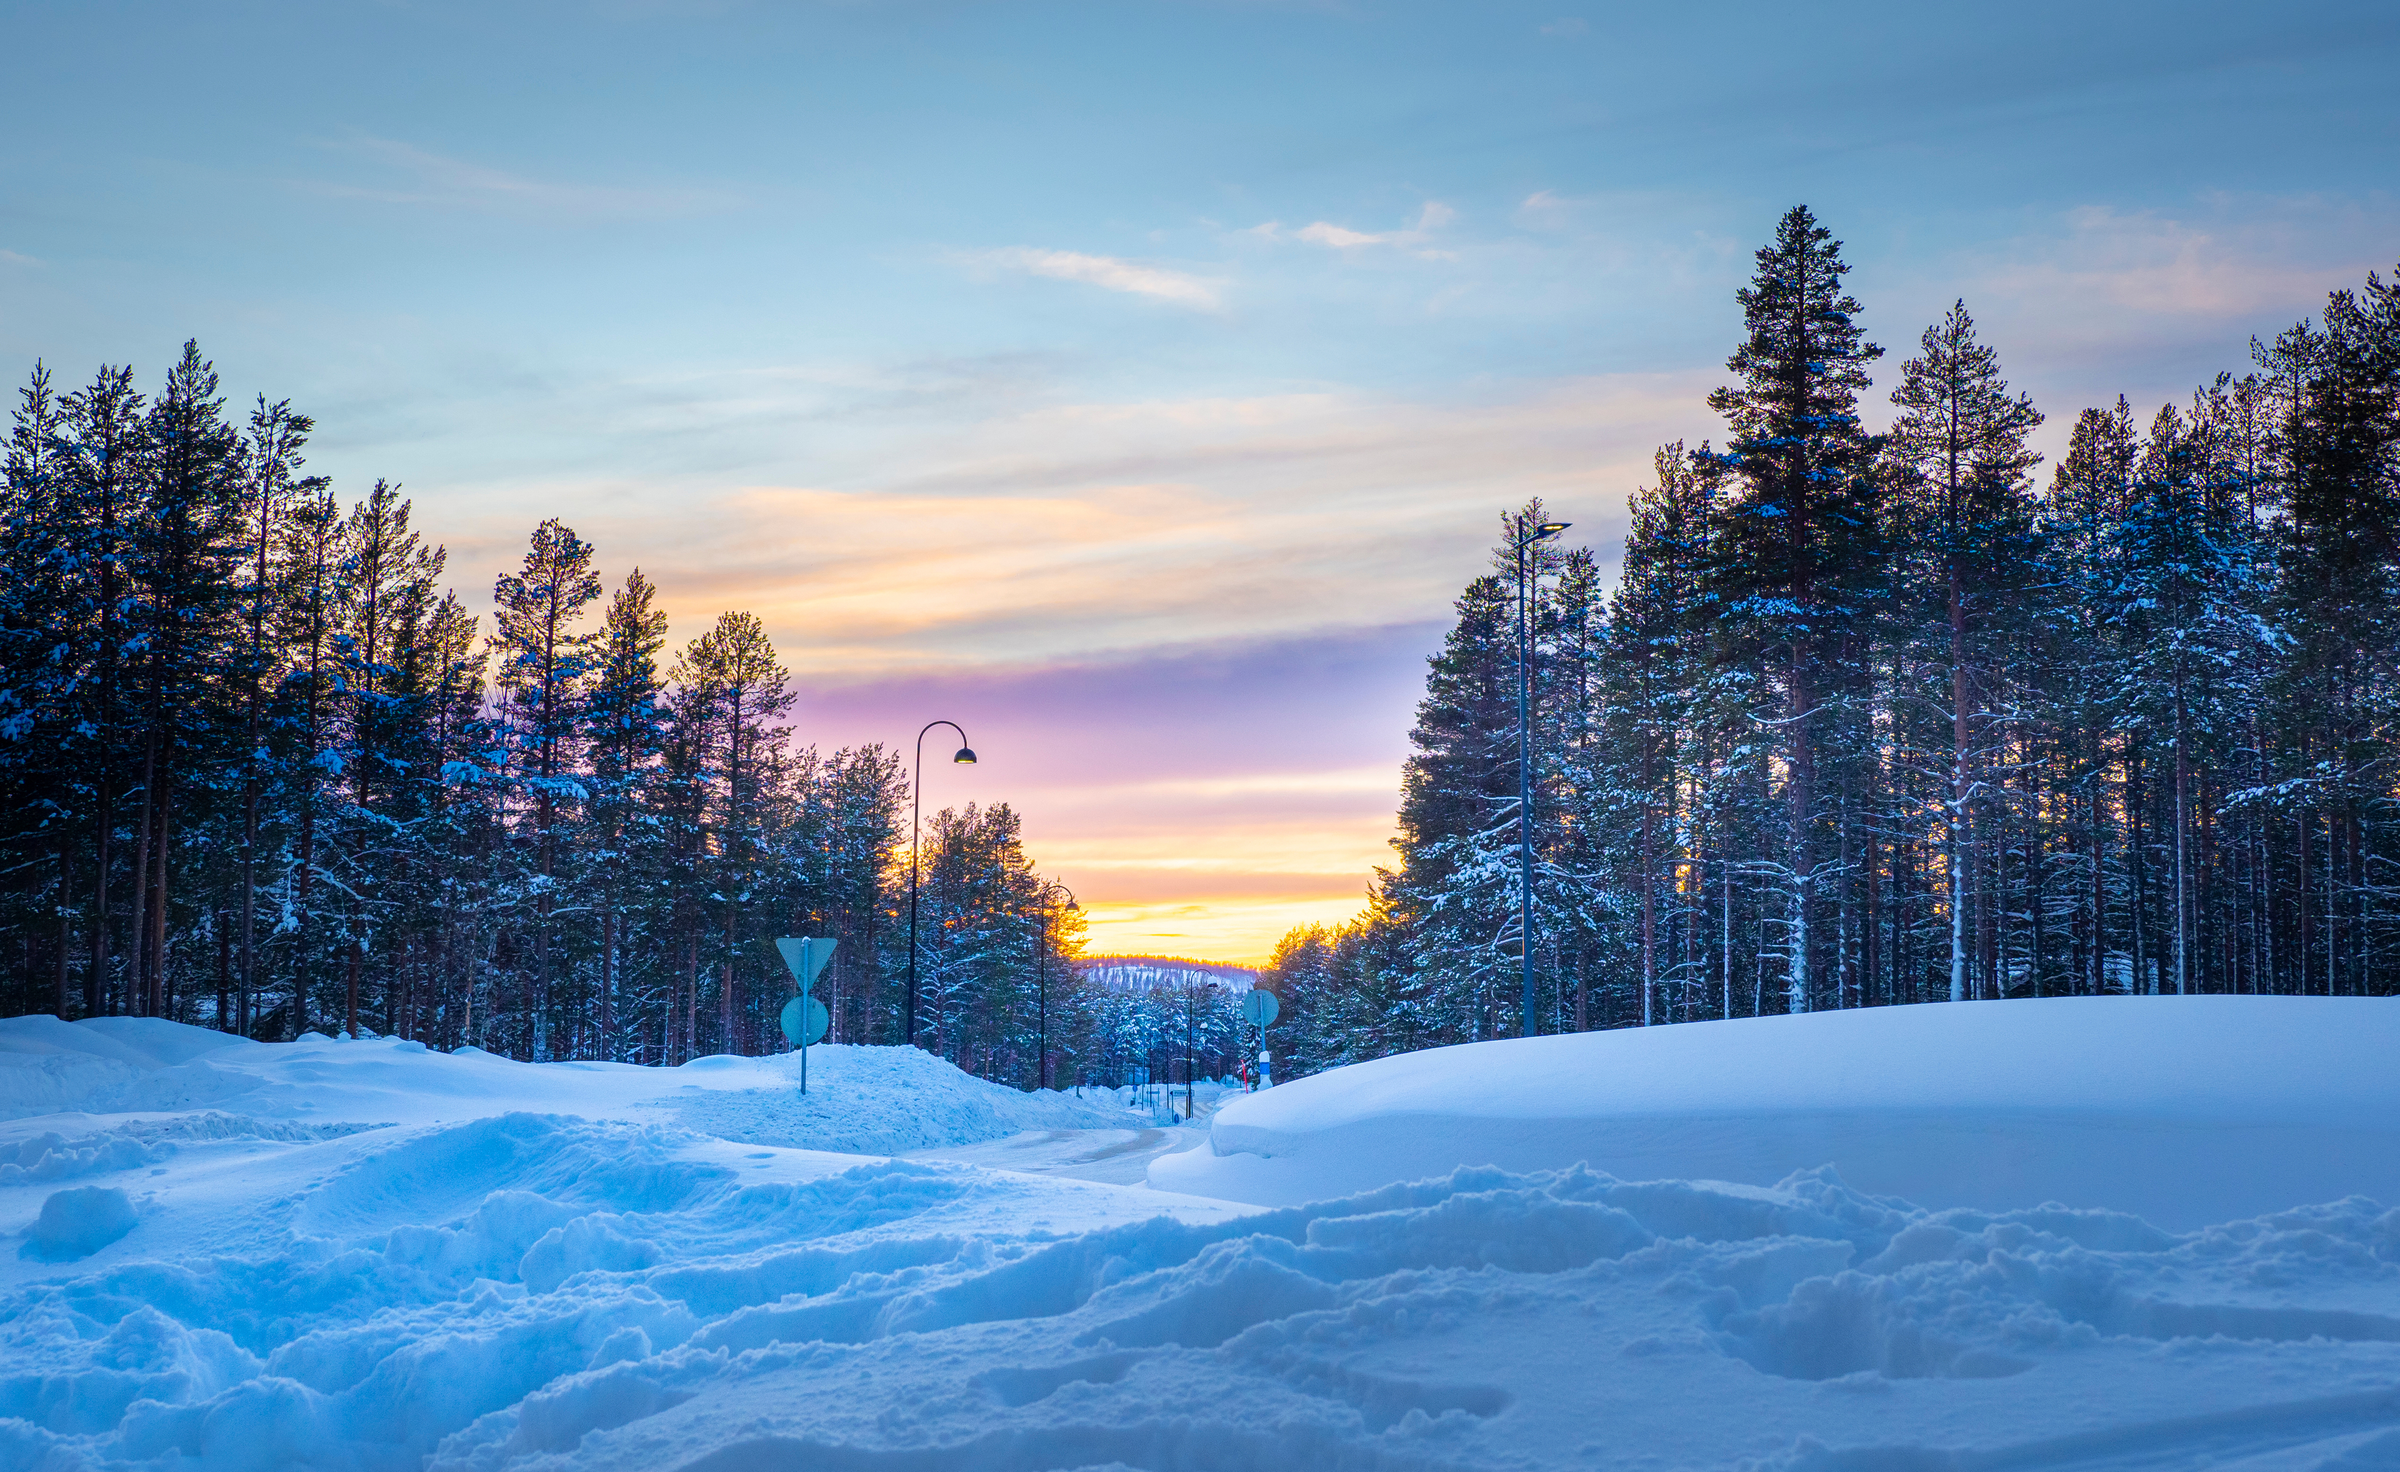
x=2183 y=1110
x=364 y=1255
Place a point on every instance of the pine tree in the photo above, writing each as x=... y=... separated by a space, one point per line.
x=307 y=601
x=1454 y=885
x=387 y=591
x=2089 y=495
x=102 y=464
x=627 y=726
x=1651 y=665
x=541 y=667
x=46 y=630
x=1799 y=545
x=1965 y=507
x=181 y=614
x=746 y=694
x=270 y=483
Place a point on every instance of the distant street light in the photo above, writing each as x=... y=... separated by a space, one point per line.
x=1543 y=532
x=1051 y=888
x=916 y=819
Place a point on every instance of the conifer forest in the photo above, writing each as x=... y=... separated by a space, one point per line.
x=1864 y=718
x=266 y=773
x=1879 y=718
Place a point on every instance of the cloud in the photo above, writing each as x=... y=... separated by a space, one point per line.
x=1109 y=273
x=1074 y=530
x=1340 y=239
x=1543 y=207
x=441 y=182
x=1432 y=217
x=12 y=258
x=2103 y=274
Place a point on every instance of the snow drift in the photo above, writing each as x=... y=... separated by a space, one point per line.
x=861 y=1099
x=2183 y=1110
x=353 y=1266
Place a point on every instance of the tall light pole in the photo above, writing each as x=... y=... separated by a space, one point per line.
x=1525 y=540
x=1051 y=889
x=916 y=810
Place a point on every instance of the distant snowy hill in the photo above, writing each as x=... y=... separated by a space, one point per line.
x=1145 y=973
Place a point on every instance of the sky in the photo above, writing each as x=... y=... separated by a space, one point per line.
x=1135 y=384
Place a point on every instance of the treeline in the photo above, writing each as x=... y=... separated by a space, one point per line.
x=263 y=771
x=1884 y=718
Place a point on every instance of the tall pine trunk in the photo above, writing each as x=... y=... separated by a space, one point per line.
x=1955 y=850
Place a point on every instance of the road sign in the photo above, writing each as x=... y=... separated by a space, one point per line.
x=804 y=1017
x=805 y=1020
x=1259 y=1007
x=806 y=956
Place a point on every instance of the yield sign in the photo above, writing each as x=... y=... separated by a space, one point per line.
x=806 y=956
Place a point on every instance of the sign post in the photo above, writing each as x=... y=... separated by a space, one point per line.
x=804 y=1017
x=1259 y=1007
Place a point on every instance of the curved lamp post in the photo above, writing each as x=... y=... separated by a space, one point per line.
x=1051 y=889
x=916 y=810
x=1526 y=539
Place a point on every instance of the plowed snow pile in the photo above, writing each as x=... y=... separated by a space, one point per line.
x=362 y=1255
x=2184 y=1110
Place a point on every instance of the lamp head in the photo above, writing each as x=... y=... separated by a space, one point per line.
x=965 y=757
x=1071 y=903
x=1551 y=528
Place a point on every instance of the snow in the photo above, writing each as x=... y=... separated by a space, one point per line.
x=2183 y=1110
x=363 y=1255
x=78 y=1222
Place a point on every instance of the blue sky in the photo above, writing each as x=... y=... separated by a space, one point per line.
x=1112 y=370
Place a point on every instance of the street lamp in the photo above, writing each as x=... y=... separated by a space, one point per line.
x=1051 y=889
x=916 y=809
x=1540 y=533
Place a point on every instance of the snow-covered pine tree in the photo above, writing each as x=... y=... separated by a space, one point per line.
x=2076 y=660
x=270 y=483
x=103 y=443
x=1454 y=888
x=541 y=664
x=388 y=583
x=44 y=635
x=1644 y=794
x=2186 y=603
x=746 y=695
x=626 y=728
x=1963 y=509
x=1797 y=551
x=2341 y=577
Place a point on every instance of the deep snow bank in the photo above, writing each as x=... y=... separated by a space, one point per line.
x=861 y=1100
x=2185 y=1110
x=278 y=1282
x=618 y=1301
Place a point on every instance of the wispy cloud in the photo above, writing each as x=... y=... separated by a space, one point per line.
x=14 y=259
x=2103 y=300
x=1340 y=238
x=416 y=176
x=1109 y=273
x=1412 y=239
x=1077 y=529
x=2157 y=265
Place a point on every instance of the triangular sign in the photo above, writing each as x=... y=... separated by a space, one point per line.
x=806 y=956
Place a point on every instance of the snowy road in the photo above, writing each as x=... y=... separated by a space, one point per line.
x=1117 y=1157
